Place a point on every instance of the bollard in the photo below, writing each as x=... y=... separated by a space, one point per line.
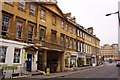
x=48 y=72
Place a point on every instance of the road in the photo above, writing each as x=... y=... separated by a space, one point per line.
x=108 y=70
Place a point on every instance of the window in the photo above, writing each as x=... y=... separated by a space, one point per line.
x=66 y=27
x=81 y=34
x=53 y=34
x=43 y=14
x=54 y=20
x=75 y=47
x=74 y=31
x=5 y=25
x=71 y=43
x=78 y=46
x=2 y=54
x=62 y=24
x=9 y=1
x=19 y=30
x=32 y=9
x=30 y=33
x=42 y=33
x=67 y=44
x=71 y=29
x=22 y=5
x=62 y=39
x=16 y=55
x=78 y=32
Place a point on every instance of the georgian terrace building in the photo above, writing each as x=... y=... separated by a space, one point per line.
x=41 y=36
x=109 y=52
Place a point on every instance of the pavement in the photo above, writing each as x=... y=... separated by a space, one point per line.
x=54 y=75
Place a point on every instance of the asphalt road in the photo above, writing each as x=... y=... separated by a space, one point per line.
x=108 y=70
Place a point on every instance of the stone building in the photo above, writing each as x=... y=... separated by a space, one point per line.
x=109 y=52
x=41 y=36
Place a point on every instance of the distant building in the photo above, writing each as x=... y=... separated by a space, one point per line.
x=109 y=52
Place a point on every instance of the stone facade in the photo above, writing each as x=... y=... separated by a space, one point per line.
x=109 y=51
x=48 y=35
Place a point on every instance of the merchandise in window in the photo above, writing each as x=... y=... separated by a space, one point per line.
x=17 y=56
x=5 y=25
x=2 y=54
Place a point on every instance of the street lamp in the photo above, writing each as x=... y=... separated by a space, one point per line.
x=118 y=26
x=113 y=13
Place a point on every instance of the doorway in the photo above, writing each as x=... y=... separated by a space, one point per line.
x=29 y=62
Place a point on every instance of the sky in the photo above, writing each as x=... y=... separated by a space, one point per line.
x=91 y=13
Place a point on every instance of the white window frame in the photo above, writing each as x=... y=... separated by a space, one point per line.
x=30 y=38
x=32 y=9
x=43 y=14
x=3 y=54
x=66 y=27
x=18 y=55
x=62 y=24
x=6 y=25
x=17 y=31
x=22 y=5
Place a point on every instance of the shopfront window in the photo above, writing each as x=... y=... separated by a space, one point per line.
x=2 y=54
x=16 y=55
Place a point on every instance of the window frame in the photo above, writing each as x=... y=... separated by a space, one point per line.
x=31 y=32
x=71 y=29
x=54 y=22
x=34 y=11
x=62 y=39
x=3 y=54
x=18 y=55
x=8 y=27
x=71 y=43
x=42 y=37
x=54 y=37
x=66 y=27
x=22 y=5
x=43 y=14
x=19 y=21
x=62 y=24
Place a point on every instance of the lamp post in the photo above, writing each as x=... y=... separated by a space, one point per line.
x=118 y=13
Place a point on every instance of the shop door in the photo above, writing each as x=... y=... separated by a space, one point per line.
x=29 y=62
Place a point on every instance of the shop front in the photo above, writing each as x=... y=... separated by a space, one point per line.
x=71 y=59
x=94 y=60
x=80 y=59
x=88 y=60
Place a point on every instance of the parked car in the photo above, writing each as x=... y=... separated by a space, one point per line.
x=118 y=65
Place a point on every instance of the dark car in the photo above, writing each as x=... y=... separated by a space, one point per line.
x=110 y=60
x=118 y=65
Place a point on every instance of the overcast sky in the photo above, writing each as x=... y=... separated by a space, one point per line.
x=91 y=13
